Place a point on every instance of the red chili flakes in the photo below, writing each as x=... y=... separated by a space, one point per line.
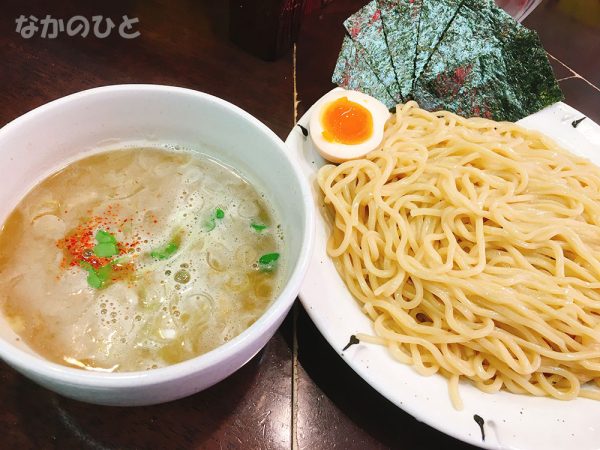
x=127 y=247
x=79 y=244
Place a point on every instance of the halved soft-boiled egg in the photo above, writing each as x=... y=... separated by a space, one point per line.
x=347 y=125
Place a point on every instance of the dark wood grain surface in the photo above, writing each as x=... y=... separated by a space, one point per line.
x=297 y=393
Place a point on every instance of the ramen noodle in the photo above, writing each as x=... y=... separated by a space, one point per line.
x=474 y=247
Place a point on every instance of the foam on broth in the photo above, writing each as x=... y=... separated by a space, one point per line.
x=188 y=275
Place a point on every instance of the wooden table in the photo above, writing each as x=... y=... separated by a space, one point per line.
x=297 y=392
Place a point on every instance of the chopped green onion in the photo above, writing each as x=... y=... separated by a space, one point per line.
x=258 y=226
x=105 y=250
x=107 y=245
x=165 y=252
x=268 y=261
x=104 y=272
x=96 y=278
x=102 y=237
x=211 y=222
x=268 y=258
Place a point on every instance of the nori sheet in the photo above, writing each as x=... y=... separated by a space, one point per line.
x=401 y=27
x=366 y=30
x=529 y=72
x=482 y=64
x=487 y=65
x=435 y=18
x=354 y=73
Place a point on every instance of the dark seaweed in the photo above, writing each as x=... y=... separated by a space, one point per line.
x=353 y=341
x=575 y=123
x=529 y=73
x=435 y=19
x=477 y=418
x=354 y=73
x=468 y=56
x=400 y=20
x=304 y=130
x=365 y=27
x=487 y=65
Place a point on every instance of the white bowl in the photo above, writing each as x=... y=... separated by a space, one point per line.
x=47 y=138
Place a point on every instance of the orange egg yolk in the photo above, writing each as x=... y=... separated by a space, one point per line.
x=346 y=122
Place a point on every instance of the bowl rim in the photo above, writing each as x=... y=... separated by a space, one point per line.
x=277 y=309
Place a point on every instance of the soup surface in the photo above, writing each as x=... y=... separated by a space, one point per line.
x=136 y=259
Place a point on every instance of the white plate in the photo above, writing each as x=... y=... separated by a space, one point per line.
x=511 y=421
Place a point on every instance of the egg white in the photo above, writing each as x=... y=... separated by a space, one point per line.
x=337 y=152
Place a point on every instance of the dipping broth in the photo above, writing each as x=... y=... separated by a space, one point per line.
x=137 y=259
